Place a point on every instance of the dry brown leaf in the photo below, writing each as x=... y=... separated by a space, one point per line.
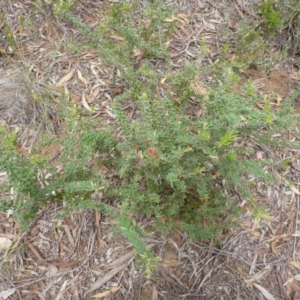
x=69 y=235
x=96 y=92
x=294 y=264
x=5 y=294
x=101 y=281
x=253 y=232
x=294 y=190
x=182 y=18
x=121 y=260
x=62 y=290
x=89 y=99
x=75 y=97
x=278 y=99
x=44 y=238
x=184 y=30
x=88 y=55
x=265 y=293
x=34 y=251
x=260 y=106
x=8 y=235
x=273 y=248
x=73 y=286
x=82 y=79
x=97 y=218
x=3 y=177
x=108 y=97
x=65 y=78
x=170 y=259
x=278 y=176
x=288 y=282
x=66 y=94
x=257 y=277
x=51 y=270
x=296 y=277
x=69 y=222
x=118 y=38
x=154 y=292
x=107 y=293
x=209 y=26
x=5 y=243
x=102 y=243
x=111 y=221
x=110 y=113
x=118 y=91
x=215 y=21
x=259 y=155
x=84 y=103
x=39 y=294
x=126 y=257
x=285 y=237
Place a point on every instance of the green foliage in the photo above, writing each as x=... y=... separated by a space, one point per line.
x=127 y=31
x=257 y=211
x=290 y=14
x=23 y=177
x=133 y=234
x=138 y=32
x=8 y=33
x=128 y=39
x=36 y=182
x=131 y=37
x=62 y=6
x=271 y=16
x=249 y=46
x=181 y=83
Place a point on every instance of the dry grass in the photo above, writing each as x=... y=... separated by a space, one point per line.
x=23 y=106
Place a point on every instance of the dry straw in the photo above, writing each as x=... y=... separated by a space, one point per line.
x=24 y=107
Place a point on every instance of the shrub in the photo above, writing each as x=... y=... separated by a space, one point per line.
x=174 y=168
x=270 y=15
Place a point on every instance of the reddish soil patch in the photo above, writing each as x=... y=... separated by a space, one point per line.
x=277 y=81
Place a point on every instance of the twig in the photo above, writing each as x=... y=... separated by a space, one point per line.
x=296 y=222
x=132 y=112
